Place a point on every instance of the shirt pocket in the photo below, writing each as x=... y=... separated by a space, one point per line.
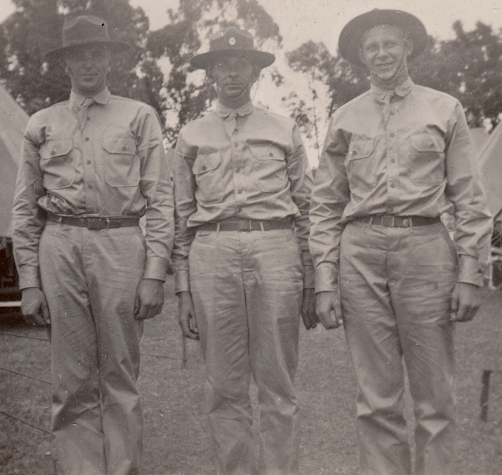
x=209 y=177
x=269 y=167
x=122 y=166
x=361 y=165
x=427 y=155
x=56 y=163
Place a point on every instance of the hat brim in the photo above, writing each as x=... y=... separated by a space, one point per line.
x=116 y=47
x=350 y=37
x=206 y=60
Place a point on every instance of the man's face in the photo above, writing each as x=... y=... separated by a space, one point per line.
x=233 y=75
x=384 y=50
x=88 y=67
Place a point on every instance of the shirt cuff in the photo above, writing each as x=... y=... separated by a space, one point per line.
x=308 y=271
x=156 y=268
x=181 y=282
x=326 y=277
x=29 y=277
x=470 y=271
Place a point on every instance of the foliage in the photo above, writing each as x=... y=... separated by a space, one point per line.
x=187 y=95
x=35 y=28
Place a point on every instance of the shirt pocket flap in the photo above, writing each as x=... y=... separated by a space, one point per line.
x=427 y=143
x=361 y=149
x=267 y=152
x=121 y=145
x=207 y=162
x=56 y=148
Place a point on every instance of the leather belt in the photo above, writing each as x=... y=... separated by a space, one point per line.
x=94 y=223
x=246 y=225
x=397 y=221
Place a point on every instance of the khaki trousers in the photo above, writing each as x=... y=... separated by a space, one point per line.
x=396 y=286
x=90 y=279
x=247 y=292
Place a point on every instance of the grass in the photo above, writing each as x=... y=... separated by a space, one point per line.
x=176 y=437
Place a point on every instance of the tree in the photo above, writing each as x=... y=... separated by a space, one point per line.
x=187 y=95
x=35 y=28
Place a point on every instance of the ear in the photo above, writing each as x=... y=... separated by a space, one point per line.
x=209 y=77
x=256 y=73
x=361 y=55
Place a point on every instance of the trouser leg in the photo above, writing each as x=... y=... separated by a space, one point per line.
x=217 y=289
x=115 y=263
x=426 y=267
x=374 y=347
x=76 y=407
x=273 y=283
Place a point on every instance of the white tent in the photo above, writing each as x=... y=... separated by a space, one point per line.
x=490 y=164
x=13 y=120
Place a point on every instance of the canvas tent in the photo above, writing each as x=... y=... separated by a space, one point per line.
x=490 y=164
x=13 y=121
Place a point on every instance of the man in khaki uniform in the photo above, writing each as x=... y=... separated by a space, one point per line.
x=90 y=168
x=242 y=267
x=395 y=159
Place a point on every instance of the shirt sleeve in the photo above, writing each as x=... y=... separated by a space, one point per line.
x=156 y=187
x=329 y=199
x=300 y=178
x=473 y=223
x=185 y=205
x=28 y=220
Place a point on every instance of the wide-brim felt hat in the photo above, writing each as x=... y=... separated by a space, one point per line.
x=350 y=37
x=231 y=40
x=86 y=30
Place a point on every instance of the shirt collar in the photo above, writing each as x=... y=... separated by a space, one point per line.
x=102 y=97
x=402 y=90
x=224 y=111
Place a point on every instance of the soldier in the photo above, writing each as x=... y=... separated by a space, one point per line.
x=396 y=158
x=90 y=168
x=243 y=271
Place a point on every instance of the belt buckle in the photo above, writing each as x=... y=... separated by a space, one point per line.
x=245 y=226
x=96 y=224
x=388 y=221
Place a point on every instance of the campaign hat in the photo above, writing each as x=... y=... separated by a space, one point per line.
x=231 y=40
x=350 y=38
x=85 y=30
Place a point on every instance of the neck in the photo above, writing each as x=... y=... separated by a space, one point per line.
x=234 y=102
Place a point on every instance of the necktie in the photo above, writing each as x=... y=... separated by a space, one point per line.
x=229 y=123
x=386 y=106
x=82 y=111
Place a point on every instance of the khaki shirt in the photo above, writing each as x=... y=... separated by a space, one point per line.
x=106 y=160
x=253 y=166
x=404 y=154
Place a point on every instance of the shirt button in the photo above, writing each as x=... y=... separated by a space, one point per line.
x=87 y=139
x=238 y=169
x=90 y=187
x=236 y=145
x=392 y=160
x=392 y=185
x=392 y=135
x=239 y=210
x=88 y=119
x=88 y=162
x=124 y=148
x=239 y=191
x=203 y=167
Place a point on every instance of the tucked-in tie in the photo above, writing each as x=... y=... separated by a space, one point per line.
x=82 y=111
x=229 y=123
x=386 y=106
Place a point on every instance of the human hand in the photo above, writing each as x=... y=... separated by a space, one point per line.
x=186 y=316
x=149 y=299
x=34 y=307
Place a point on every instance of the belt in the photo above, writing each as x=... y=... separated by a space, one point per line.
x=94 y=223
x=397 y=221
x=246 y=225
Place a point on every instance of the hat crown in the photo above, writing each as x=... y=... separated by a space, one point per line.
x=231 y=38
x=83 y=30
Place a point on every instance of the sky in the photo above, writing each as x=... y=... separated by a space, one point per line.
x=322 y=20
